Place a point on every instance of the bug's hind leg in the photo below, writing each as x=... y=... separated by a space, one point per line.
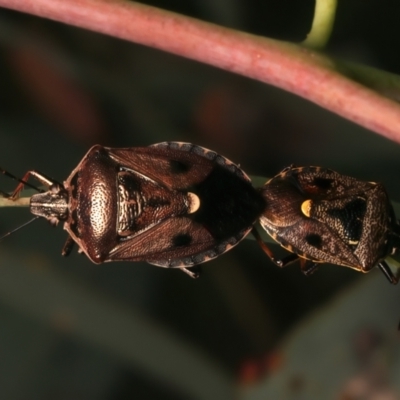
x=280 y=262
x=388 y=273
x=308 y=267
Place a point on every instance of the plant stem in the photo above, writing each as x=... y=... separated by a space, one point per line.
x=324 y=17
x=291 y=67
x=21 y=202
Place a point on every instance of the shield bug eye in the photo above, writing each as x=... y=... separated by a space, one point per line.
x=54 y=188
x=322 y=216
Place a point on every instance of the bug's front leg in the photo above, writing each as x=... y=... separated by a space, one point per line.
x=22 y=182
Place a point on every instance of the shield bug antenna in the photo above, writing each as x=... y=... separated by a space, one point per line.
x=18 y=228
x=321 y=216
x=173 y=204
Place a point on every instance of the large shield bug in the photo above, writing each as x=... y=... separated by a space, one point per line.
x=171 y=204
x=321 y=216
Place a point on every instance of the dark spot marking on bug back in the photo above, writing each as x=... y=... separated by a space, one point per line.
x=315 y=240
x=323 y=183
x=181 y=240
x=228 y=203
x=351 y=217
x=178 y=167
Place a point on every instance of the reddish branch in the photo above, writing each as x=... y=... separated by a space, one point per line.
x=288 y=66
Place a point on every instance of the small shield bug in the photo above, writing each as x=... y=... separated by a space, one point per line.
x=321 y=216
x=171 y=204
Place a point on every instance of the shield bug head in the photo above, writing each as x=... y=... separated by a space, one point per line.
x=321 y=216
x=171 y=204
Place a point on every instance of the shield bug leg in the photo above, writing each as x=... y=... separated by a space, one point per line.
x=388 y=273
x=289 y=259
x=15 y=195
x=24 y=181
x=280 y=262
x=308 y=267
x=68 y=246
x=41 y=178
x=193 y=272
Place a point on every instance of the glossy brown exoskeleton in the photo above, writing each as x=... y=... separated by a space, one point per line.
x=321 y=216
x=171 y=204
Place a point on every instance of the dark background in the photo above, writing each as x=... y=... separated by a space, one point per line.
x=63 y=89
